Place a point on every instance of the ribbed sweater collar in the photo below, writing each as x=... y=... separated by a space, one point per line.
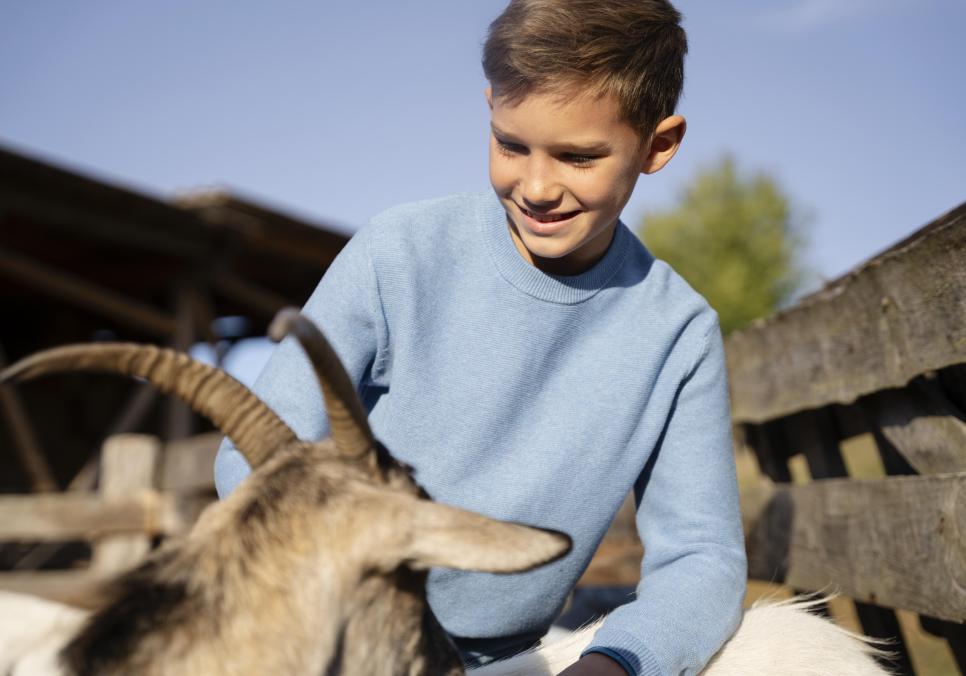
x=566 y=290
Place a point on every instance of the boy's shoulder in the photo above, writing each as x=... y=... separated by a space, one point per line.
x=424 y=217
x=651 y=287
x=432 y=232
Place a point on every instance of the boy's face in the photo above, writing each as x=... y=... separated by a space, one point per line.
x=564 y=171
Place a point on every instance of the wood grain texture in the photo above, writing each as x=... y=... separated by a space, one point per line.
x=898 y=542
x=897 y=316
x=922 y=425
x=73 y=516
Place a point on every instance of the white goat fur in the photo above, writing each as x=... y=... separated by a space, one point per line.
x=774 y=638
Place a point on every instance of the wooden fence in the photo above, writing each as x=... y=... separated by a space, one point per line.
x=880 y=352
x=146 y=490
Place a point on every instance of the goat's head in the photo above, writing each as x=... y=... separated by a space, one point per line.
x=316 y=564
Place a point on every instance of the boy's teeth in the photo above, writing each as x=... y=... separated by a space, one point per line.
x=547 y=218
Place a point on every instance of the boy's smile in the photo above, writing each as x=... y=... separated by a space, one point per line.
x=564 y=169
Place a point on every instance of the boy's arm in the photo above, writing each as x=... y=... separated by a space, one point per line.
x=345 y=305
x=694 y=571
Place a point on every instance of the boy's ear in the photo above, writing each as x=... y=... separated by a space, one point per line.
x=664 y=143
x=489 y=96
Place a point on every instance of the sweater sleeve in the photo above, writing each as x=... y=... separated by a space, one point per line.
x=345 y=306
x=694 y=570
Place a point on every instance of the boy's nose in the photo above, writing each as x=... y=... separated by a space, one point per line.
x=540 y=187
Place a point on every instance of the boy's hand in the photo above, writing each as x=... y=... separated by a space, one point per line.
x=594 y=664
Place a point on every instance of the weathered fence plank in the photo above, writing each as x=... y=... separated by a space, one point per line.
x=78 y=516
x=896 y=317
x=82 y=588
x=128 y=466
x=922 y=425
x=898 y=542
x=822 y=431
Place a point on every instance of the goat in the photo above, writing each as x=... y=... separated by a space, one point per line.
x=317 y=563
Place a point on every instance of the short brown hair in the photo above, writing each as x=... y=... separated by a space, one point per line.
x=632 y=49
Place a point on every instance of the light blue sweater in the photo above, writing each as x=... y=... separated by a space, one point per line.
x=542 y=400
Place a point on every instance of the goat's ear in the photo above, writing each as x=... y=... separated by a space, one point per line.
x=448 y=537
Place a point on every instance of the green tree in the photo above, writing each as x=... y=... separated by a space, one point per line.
x=732 y=237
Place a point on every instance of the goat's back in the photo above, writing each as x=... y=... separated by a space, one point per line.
x=773 y=638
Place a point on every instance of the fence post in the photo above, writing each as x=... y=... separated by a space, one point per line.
x=128 y=465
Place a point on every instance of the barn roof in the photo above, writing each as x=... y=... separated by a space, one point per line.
x=82 y=259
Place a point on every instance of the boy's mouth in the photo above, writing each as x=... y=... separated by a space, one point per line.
x=547 y=219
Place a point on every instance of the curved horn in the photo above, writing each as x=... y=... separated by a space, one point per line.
x=253 y=427
x=348 y=424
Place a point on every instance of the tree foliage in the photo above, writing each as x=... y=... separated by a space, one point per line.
x=732 y=237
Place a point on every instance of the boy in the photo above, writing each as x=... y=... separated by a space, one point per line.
x=533 y=362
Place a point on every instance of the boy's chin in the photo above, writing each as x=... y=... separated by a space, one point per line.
x=547 y=249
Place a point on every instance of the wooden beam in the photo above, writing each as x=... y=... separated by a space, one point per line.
x=261 y=301
x=816 y=435
x=70 y=516
x=135 y=410
x=63 y=200
x=894 y=318
x=128 y=468
x=954 y=633
x=178 y=416
x=24 y=438
x=953 y=381
x=820 y=432
x=81 y=588
x=922 y=425
x=897 y=542
x=770 y=450
x=78 y=291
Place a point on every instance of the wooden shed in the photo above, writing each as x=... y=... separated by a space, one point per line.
x=83 y=260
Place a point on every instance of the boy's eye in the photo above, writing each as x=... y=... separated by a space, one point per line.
x=508 y=148
x=580 y=160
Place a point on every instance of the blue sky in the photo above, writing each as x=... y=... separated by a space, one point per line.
x=334 y=111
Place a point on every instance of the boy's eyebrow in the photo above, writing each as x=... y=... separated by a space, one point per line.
x=577 y=148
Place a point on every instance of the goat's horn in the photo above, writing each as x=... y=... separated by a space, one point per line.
x=348 y=424
x=253 y=427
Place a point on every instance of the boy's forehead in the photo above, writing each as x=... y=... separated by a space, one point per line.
x=584 y=117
